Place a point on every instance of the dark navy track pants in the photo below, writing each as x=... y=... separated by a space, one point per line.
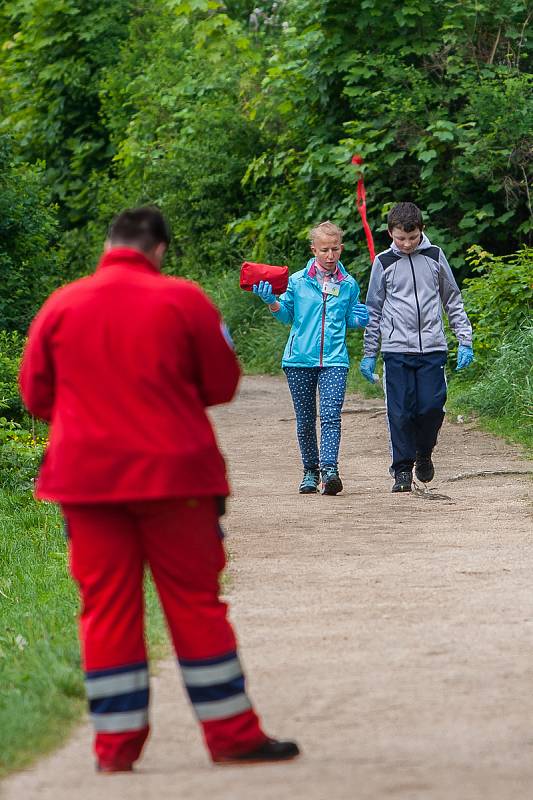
x=415 y=390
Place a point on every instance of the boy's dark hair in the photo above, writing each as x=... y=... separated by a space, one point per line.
x=406 y=216
x=143 y=228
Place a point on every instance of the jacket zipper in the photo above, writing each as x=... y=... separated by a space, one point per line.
x=392 y=329
x=417 y=306
x=324 y=299
x=291 y=344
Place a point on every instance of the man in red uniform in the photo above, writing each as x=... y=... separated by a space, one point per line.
x=123 y=364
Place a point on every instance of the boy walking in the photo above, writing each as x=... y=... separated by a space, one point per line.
x=409 y=284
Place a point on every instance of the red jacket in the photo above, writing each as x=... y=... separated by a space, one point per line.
x=123 y=364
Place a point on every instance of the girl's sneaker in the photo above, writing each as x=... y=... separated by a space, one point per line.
x=309 y=484
x=331 y=483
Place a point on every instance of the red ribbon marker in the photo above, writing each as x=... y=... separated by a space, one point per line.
x=361 y=207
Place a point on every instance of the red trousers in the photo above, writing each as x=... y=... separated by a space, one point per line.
x=181 y=542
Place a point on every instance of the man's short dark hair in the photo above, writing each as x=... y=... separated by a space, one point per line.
x=143 y=228
x=406 y=216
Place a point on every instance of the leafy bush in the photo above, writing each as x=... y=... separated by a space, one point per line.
x=52 y=60
x=20 y=456
x=434 y=95
x=187 y=144
x=499 y=299
x=30 y=262
x=20 y=449
x=10 y=349
x=505 y=390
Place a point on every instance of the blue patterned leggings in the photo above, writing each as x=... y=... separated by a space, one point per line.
x=331 y=383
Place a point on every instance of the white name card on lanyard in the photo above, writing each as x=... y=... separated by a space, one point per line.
x=331 y=288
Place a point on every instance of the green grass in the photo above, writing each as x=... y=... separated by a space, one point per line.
x=42 y=687
x=499 y=393
x=41 y=684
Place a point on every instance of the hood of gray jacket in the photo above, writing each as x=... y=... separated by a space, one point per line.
x=423 y=244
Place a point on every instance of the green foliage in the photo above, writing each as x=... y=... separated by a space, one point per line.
x=29 y=260
x=21 y=452
x=240 y=121
x=432 y=94
x=498 y=387
x=504 y=391
x=52 y=59
x=20 y=449
x=10 y=350
x=499 y=299
x=179 y=131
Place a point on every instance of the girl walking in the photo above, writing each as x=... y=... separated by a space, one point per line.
x=320 y=303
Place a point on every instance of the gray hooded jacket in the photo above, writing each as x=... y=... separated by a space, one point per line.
x=404 y=300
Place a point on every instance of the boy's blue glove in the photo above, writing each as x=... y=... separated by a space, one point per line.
x=361 y=315
x=264 y=291
x=465 y=356
x=367 y=367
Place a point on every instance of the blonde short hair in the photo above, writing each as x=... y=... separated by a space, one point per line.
x=326 y=228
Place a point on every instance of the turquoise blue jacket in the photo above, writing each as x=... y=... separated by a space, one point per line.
x=319 y=322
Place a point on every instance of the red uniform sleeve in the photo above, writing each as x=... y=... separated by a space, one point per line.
x=36 y=376
x=216 y=365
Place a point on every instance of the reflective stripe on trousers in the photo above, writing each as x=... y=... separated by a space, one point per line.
x=215 y=686
x=118 y=698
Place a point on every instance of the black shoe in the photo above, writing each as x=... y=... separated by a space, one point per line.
x=331 y=483
x=424 y=469
x=310 y=481
x=113 y=767
x=403 y=481
x=271 y=750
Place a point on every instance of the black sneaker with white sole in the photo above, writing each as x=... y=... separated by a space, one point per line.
x=403 y=481
x=424 y=469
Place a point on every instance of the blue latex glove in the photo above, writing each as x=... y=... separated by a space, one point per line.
x=361 y=315
x=367 y=367
x=465 y=356
x=264 y=291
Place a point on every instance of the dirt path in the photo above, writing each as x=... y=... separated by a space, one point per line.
x=390 y=634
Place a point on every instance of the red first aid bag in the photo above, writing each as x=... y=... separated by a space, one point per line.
x=253 y=273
